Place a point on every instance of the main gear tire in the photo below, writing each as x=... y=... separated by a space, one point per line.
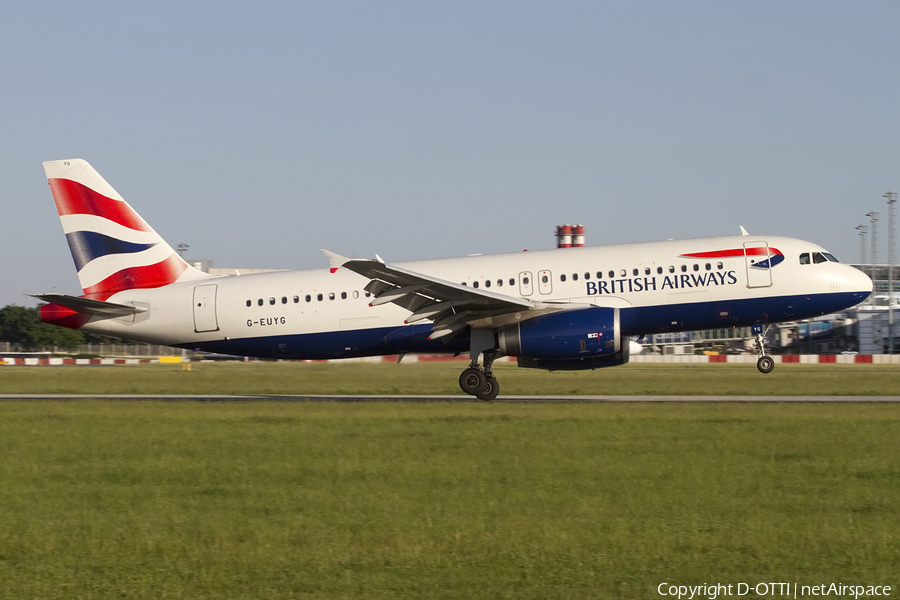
x=473 y=381
x=492 y=389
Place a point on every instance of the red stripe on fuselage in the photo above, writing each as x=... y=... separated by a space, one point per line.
x=149 y=276
x=736 y=252
x=73 y=198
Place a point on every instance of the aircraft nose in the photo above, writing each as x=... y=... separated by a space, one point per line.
x=860 y=283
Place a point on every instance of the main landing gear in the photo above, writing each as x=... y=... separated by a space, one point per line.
x=477 y=382
x=765 y=364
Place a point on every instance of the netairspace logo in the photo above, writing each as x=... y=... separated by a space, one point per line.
x=787 y=590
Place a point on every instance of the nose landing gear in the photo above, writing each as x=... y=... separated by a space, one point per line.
x=765 y=364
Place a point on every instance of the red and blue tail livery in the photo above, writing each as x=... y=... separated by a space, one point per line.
x=560 y=310
x=114 y=249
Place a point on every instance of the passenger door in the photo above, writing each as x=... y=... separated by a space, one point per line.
x=205 y=309
x=759 y=267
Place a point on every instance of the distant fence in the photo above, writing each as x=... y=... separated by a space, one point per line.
x=131 y=350
x=803 y=359
x=72 y=361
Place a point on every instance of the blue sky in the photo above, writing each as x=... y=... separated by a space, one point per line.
x=260 y=133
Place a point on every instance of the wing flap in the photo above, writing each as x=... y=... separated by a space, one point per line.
x=451 y=307
x=394 y=283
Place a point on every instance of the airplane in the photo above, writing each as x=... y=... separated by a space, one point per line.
x=559 y=309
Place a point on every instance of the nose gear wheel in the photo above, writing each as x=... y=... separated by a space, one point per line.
x=765 y=364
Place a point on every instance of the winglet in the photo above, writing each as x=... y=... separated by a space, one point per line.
x=743 y=231
x=335 y=261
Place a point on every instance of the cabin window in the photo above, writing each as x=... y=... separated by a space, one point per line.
x=587 y=275
x=719 y=266
x=671 y=269
x=487 y=283
x=499 y=283
x=574 y=276
x=368 y=294
x=599 y=274
x=284 y=299
x=343 y=295
x=646 y=270
x=659 y=270
x=684 y=268
x=296 y=299
x=622 y=273
x=355 y=294
x=708 y=267
x=249 y=302
x=260 y=302
x=696 y=267
x=272 y=301
x=475 y=284
x=319 y=297
x=464 y=283
x=561 y=277
x=512 y=281
x=331 y=296
x=612 y=274
x=525 y=281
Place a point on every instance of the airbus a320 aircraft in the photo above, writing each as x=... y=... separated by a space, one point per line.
x=560 y=309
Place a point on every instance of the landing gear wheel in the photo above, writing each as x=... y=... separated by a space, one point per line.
x=765 y=364
x=473 y=381
x=492 y=388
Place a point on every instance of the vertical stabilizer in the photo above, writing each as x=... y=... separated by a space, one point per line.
x=114 y=249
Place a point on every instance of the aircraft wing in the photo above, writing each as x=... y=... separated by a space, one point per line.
x=450 y=306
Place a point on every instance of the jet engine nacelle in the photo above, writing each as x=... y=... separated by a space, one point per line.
x=570 y=340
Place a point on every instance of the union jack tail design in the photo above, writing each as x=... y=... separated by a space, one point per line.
x=114 y=249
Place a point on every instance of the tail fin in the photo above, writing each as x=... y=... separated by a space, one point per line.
x=114 y=249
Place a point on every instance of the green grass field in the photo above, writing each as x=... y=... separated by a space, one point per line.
x=441 y=378
x=440 y=500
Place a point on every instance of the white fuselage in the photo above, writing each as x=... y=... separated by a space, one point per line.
x=657 y=287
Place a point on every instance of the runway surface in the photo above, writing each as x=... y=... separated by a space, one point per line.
x=448 y=398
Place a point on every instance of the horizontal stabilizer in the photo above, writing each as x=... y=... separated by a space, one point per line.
x=106 y=310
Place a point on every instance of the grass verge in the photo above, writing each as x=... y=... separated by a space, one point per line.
x=441 y=500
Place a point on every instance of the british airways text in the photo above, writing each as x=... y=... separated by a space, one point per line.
x=674 y=282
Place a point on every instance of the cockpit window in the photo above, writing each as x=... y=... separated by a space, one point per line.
x=804 y=258
x=818 y=257
x=831 y=257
